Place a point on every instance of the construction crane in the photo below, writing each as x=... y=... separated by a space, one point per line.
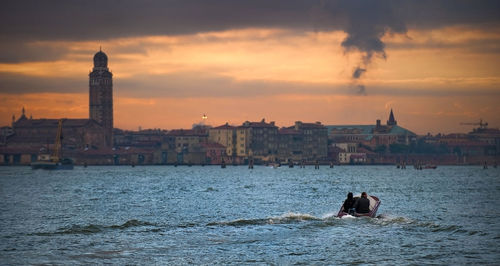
x=480 y=124
x=54 y=161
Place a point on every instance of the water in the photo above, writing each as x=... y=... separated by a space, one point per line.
x=208 y=215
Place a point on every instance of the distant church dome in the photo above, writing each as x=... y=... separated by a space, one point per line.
x=100 y=59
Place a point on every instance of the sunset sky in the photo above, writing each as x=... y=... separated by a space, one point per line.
x=435 y=63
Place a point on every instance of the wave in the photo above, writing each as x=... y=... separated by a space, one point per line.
x=329 y=219
x=211 y=189
x=439 y=228
x=132 y=223
x=386 y=220
x=94 y=228
x=287 y=218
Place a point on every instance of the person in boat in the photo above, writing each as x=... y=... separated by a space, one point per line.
x=362 y=205
x=349 y=203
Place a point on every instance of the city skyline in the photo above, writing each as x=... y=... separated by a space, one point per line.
x=338 y=62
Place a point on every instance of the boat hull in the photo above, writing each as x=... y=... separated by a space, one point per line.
x=374 y=204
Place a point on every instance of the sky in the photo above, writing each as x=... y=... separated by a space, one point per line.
x=340 y=62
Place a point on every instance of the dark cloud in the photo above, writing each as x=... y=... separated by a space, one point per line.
x=19 y=83
x=363 y=20
x=21 y=52
x=104 y=19
x=368 y=22
x=481 y=45
x=416 y=91
x=24 y=22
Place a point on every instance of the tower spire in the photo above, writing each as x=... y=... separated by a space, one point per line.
x=23 y=113
x=391 y=121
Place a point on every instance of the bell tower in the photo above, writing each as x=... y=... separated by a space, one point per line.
x=101 y=95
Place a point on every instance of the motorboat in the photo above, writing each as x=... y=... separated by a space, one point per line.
x=47 y=164
x=374 y=204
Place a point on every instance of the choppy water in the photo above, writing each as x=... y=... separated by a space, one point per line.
x=207 y=215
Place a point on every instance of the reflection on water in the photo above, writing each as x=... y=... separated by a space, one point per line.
x=209 y=215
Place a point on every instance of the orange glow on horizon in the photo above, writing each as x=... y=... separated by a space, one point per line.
x=442 y=114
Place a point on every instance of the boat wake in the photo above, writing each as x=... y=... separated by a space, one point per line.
x=294 y=218
x=287 y=218
x=385 y=219
x=388 y=220
x=329 y=219
x=93 y=228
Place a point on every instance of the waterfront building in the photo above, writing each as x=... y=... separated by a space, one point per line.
x=184 y=146
x=215 y=153
x=224 y=135
x=303 y=141
x=467 y=144
x=349 y=153
x=491 y=136
x=351 y=158
x=372 y=135
x=145 y=138
x=290 y=145
x=33 y=136
x=5 y=132
x=257 y=140
x=243 y=141
x=119 y=156
x=146 y=141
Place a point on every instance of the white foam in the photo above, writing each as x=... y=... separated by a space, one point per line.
x=329 y=215
x=295 y=215
x=392 y=219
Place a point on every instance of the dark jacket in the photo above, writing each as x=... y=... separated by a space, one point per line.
x=348 y=204
x=362 y=205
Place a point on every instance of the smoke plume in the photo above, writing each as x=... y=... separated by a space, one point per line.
x=358 y=71
x=356 y=75
x=366 y=23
